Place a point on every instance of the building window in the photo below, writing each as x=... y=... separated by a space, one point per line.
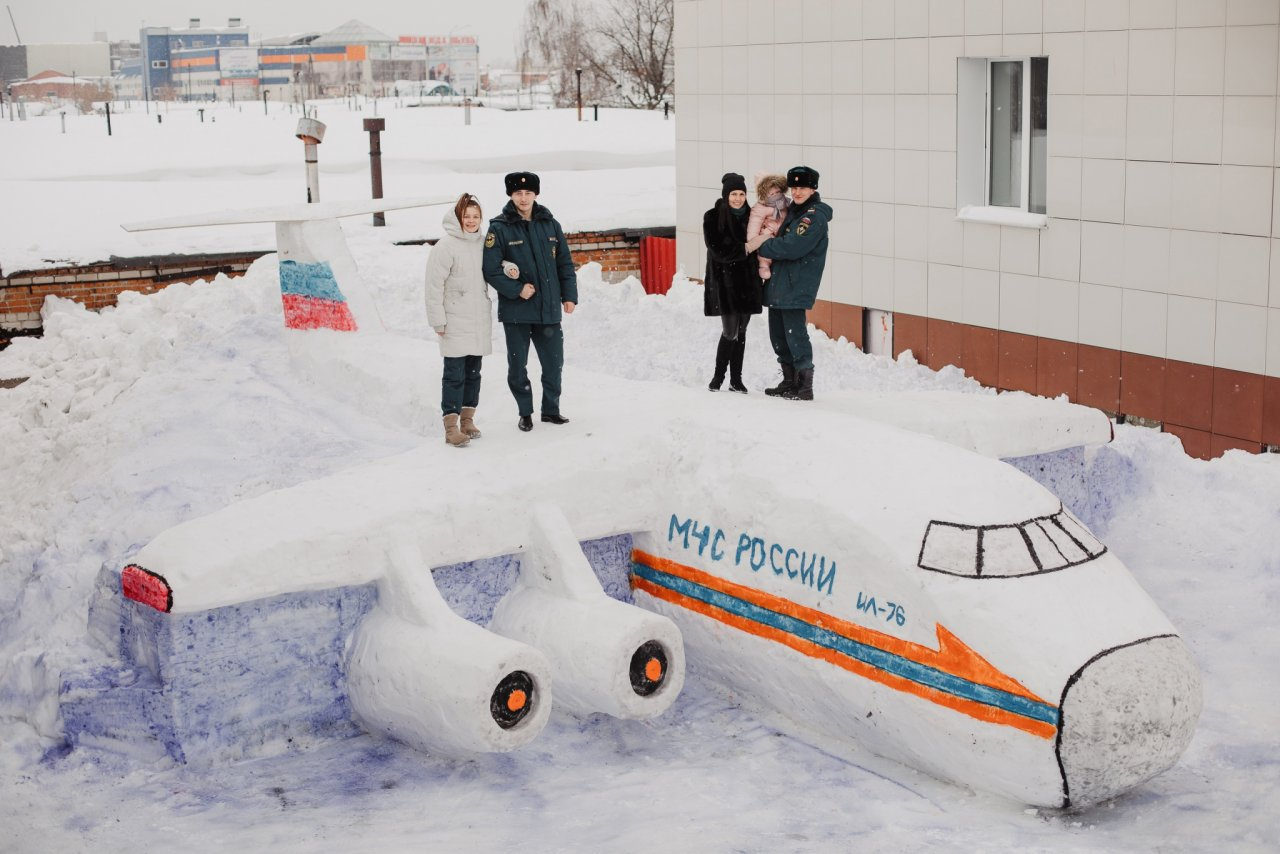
x=1001 y=140
x=159 y=63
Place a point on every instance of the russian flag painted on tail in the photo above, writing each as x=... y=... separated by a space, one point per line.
x=312 y=299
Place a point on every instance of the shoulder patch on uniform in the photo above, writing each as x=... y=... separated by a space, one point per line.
x=489 y=240
x=806 y=220
x=803 y=227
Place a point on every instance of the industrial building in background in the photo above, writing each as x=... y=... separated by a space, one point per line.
x=224 y=63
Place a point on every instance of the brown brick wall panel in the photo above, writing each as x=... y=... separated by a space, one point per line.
x=1142 y=386
x=846 y=321
x=1018 y=356
x=12 y=296
x=1098 y=379
x=1188 y=395
x=1057 y=370
x=980 y=354
x=946 y=344
x=1237 y=404
x=1271 y=410
x=910 y=332
x=820 y=316
x=1222 y=444
x=1196 y=443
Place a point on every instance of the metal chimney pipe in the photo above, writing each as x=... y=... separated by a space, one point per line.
x=311 y=132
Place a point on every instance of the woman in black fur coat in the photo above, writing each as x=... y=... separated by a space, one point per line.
x=733 y=287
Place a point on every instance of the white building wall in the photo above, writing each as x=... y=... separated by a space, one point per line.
x=1163 y=235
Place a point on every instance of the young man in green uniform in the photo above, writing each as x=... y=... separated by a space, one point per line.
x=799 y=253
x=529 y=306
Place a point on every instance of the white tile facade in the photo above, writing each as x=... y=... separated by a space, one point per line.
x=1163 y=153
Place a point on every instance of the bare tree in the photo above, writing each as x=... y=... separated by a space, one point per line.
x=636 y=55
x=625 y=52
x=557 y=39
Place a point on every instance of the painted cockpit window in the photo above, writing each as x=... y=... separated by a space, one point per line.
x=1042 y=544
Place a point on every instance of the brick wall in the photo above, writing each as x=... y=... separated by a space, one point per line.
x=617 y=253
x=98 y=285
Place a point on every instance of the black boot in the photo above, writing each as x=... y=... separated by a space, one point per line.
x=735 y=365
x=722 y=363
x=787 y=385
x=804 y=386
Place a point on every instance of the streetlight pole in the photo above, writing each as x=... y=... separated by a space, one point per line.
x=264 y=102
x=578 y=72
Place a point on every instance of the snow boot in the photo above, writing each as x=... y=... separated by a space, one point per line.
x=468 y=422
x=723 y=349
x=787 y=385
x=804 y=386
x=452 y=434
x=735 y=365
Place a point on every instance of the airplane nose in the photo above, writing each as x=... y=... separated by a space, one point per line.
x=1127 y=715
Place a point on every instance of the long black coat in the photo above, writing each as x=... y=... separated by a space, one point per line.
x=733 y=283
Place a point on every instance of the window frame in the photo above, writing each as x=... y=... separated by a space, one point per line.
x=1024 y=195
x=974 y=145
x=1039 y=522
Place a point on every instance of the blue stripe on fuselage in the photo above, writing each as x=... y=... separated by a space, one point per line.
x=889 y=662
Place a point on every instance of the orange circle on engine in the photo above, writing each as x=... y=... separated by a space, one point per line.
x=516 y=701
x=653 y=670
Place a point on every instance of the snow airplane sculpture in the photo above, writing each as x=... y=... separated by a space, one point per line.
x=956 y=618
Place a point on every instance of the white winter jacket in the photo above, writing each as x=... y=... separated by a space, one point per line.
x=457 y=294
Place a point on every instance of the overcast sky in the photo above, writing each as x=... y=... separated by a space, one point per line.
x=494 y=22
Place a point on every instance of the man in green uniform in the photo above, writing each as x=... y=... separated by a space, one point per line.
x=529 y=307
x=799 y=253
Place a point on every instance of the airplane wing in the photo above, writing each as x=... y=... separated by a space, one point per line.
x=288 y=213
x=1002 y=426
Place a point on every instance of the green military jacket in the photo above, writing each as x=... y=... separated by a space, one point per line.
x=799 y=253
x=537 y=246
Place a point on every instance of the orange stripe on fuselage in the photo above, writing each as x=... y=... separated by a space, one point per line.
x=952 y=655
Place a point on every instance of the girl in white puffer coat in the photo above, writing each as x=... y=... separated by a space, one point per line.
x=460 y=311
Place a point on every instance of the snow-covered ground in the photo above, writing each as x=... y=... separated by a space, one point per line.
x=65 y=195
x=172 y=406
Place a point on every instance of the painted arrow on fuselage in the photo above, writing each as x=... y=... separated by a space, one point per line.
x=953 y=675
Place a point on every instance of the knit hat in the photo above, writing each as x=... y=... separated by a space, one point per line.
x=802 y=176
x=731 y=181
x=522 y=181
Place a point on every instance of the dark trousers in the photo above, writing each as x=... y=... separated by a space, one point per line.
x=789 y=335
x=460 y=385
x=548 y=342
x=734 y=326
